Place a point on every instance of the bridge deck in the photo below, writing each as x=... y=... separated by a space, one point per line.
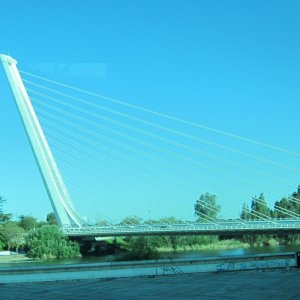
x=224 y=228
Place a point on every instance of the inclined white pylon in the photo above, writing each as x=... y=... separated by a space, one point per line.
x=60 y=199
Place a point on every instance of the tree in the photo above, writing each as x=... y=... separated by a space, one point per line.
x=51 y=219
x=28 y=222
x=3 y=217
x=2 y=200
x=286 y=208
x=259 y=207
x=206 y=207
x=170 y=220
x=48 y=242
x=12 y=235
x=259 y=210
x=140 y=248
x=286 y=205
x=132 y=220
x=176 y=241
x=103 y=223
x=245 y=214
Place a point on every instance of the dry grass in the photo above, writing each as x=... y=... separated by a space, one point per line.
x=218 y=245
x=13 y=258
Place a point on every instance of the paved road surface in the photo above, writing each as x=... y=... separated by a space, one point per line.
x=270 y=284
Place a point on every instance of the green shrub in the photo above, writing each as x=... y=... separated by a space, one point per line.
x=48 y=242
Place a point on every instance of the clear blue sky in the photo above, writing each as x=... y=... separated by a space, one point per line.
x=231 y=65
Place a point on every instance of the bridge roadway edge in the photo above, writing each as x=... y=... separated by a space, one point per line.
x=231 y=228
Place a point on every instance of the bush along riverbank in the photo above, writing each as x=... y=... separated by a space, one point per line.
x=48 y=242
x=218 y=245
x=143 y=248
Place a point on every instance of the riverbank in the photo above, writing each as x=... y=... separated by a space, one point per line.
x=190 y=254
x=14 y=258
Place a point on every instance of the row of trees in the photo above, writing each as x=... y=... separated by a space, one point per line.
x=44 y=240
x=41 y=240
x=207 y=208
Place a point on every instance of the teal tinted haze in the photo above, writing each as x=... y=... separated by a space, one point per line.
x=229 y=65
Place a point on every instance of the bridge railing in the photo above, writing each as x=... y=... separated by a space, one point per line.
x=197 y=228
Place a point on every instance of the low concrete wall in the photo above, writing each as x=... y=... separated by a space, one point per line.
x=147 y=268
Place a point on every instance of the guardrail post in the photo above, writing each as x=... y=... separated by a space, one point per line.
x=298 y=259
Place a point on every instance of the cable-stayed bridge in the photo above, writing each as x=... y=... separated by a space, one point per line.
x=115 y=159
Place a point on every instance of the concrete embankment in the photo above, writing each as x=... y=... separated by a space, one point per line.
x=147 y=268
